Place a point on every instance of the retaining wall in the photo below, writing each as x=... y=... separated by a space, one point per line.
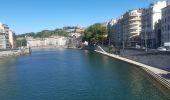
x=151 y=71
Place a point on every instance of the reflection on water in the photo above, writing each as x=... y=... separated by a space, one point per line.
x=66 y=74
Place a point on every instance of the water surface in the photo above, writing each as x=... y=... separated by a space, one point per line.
x=66 y=74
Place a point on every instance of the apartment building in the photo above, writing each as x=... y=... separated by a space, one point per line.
x=132 y=27
x=4 y=36
x=126 y=29
x=115 y=32
x=12 y=39
x=165 y=32
x=111 y=32
x=150 y=17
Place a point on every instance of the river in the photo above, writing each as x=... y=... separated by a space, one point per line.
x=67 y=74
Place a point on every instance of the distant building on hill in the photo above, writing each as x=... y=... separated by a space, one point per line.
x=57 y=41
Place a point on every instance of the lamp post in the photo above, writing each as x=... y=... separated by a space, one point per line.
x=123 y=42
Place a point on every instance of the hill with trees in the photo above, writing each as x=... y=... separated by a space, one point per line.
x=47 y=33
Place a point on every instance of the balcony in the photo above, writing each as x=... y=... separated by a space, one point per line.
x=133 y=23
x=135 y=19
x=133 y=27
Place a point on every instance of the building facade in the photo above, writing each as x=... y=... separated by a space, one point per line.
x=165 y=33
x=115 y=32
x=110 y=30
x=132 y=27
x=150 y=17
x=126 y=29
x=12 y=39
x=56 y=41
x=4 y=36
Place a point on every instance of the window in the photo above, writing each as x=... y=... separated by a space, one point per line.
x=165 y=20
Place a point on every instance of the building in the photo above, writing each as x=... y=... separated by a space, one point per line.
x=165 y=33
x=157 y=32
x=56 y=41
x=38 y=42
x=12 y=39
x=7 y=37
x=150 y=17
x=110 y=30
x=132 y=27
x=126 y=29
x=115 y=31
x=4 y=36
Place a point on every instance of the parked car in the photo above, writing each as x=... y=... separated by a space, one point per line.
x=161 y=49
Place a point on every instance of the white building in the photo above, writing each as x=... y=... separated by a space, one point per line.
x=150 y=17
x=31 y=42
x=165 y=33
x=56 y=41
x=4 y=36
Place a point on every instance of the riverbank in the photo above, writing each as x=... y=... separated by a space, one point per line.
x=7 y=53
x=157 y=59
x=53 y=47
x=153 y=72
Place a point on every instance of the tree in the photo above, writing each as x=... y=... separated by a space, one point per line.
x=95 y=33
x=45 y=33
x=21 y=42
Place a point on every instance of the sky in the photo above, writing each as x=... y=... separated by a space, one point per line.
x=24 y=16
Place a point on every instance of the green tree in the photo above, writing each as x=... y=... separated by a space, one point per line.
x=95 y=33
x=45 y=33
x=21 y=42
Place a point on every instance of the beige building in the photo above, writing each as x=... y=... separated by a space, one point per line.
x=12 y=39
x=150 y=17
x=45 y=42
x=165 y=33
x=4 y=36
x=126 y=29
x=132 y=26
x=38 y=42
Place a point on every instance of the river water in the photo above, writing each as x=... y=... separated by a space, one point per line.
x=66 y=74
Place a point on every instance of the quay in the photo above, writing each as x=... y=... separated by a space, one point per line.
x=152 y=72
x=16 y=52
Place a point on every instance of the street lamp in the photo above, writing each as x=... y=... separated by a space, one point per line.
x=123 y=42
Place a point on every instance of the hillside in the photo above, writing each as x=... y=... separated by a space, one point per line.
x=47 y=33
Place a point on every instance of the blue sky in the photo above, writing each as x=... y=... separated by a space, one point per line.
x=35 y=15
